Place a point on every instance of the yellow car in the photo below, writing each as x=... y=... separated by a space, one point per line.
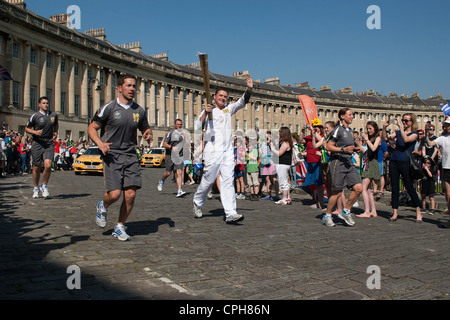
x=155 y=157
x=89 y=162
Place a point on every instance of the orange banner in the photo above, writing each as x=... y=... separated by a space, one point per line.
x=308 y=107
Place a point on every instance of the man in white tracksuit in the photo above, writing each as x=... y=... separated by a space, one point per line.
x=219 y=152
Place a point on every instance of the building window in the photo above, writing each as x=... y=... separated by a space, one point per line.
x=256 y=106
x=33 y=56
x=236 y=124
x=77 y=105
x=76 y=69
x=185 y=95
x=16 y=95
x=49 y=61
x=63 y=65
x=176 y=92
x=33 y=97
x=63 y=102
x=16 y=50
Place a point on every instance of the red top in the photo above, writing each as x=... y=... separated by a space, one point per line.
x=311 y=156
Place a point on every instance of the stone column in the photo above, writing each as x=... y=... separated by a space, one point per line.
x=162 y=107
x=152 y=104
x=191 y=111
x=26 y=82
x=43 y=82
x=84 y=92
x=96 y=94
x=57 y=102
x=71 y=88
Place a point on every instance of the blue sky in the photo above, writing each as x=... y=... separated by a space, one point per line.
x=324 y=42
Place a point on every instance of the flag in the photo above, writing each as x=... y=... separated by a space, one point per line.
x=308 y=107
x=4 y=74
x=446 y=109
x=300 y=173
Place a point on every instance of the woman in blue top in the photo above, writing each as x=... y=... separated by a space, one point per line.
x=399 y=164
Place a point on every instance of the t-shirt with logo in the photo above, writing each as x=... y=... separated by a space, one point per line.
x=46 y=122
x=342 y=137
x=119 y=123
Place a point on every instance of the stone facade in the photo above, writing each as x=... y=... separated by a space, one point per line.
x=78 y=72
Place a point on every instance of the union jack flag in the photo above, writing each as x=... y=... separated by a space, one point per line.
x=364 y=162
x=301 y=173
x=4 y=74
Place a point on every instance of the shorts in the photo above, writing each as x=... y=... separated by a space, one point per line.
x=170 y=165
x=343 y=174
x=268 y=170
x=121 y=171
x=239 y=171
x=252 y=179
x=41 y=151
x=445 y=175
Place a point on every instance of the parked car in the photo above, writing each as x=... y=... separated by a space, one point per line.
x=155 y=157
x=90 y=161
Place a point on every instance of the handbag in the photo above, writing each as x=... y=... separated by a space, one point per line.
x=296 y=156
x=415 y=171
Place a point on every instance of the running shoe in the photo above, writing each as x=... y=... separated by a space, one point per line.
x=100 y=218
x=160 y=185
x=35 y=193
x=44 y=191
x=180 y=193
x=347 y=217
x=282 y=202
x=119 y=233
x=328 y=220
x=234 y=217
x=197 y=211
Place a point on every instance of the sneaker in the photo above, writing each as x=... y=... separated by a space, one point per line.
x=35 y=193
x=180 y=193
x=210 y=195
x=100 y=218
x=347 y=217
x=328 y=220
x=356 y=204
x=160 y=185
x=197 y=212
x=234 y=217
x=119 y=233
x=240 y=196
x=281 y=202
x=289 y=201
x=44 y=191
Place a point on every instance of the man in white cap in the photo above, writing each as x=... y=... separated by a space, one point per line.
x=219 y=152
x=443 y=143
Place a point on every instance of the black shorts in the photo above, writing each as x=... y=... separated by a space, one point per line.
x=170 y=165
x=41 y=151
x=121 y=171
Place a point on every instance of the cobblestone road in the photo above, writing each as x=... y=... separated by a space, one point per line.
x=276 y=253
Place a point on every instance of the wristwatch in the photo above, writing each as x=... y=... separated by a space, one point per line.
x=342 y=149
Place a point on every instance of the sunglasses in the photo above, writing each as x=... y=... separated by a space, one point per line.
x=406 y=120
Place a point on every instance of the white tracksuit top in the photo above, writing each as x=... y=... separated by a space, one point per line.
x=218 y=132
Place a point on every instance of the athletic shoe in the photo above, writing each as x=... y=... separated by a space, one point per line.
x=347 y=217
x=44 y=191
x=281 y=202
x=210 y=195
x=160 y=185
x=289 y=201
x=180 y=193
x=328 y=220
x=35 y=193
x=356 y=204
x=100 y=218
x=197 y=211
x=119 y=233
x=234 y=217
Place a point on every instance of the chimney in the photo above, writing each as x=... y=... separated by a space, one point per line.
x=240 y=75
x=274 y=81
x=96 y=33
x=303 y=85
x=133 y=46
x=18 y=3
x=325 y=88
x=160 y=56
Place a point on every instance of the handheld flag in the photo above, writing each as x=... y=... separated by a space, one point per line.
x=308 y=107
x=446 y=109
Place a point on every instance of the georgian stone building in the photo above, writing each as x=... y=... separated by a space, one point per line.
x=79 y=72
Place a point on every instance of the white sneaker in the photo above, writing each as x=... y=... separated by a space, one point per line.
x=44 y=191
x=282 y=202
x=180 y=193
x=210 y=195
x=328 y=220
x=197 y=212
x=160 y=185
x=234 y=217
x=119 y=233
x=100 y=218
x=35 y=193
x=347 y=217
x=356 y=204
